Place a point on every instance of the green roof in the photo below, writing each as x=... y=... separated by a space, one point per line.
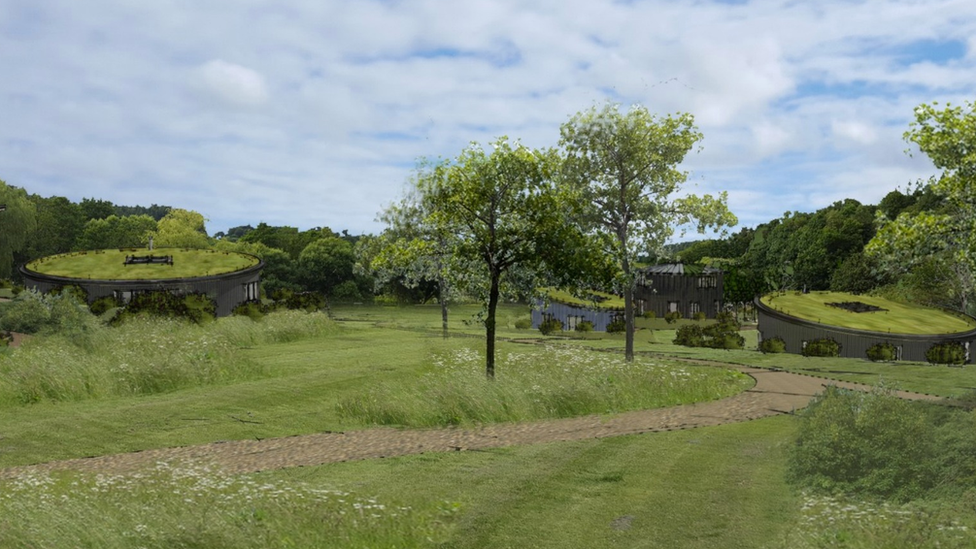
x=598 y=300
x=110 y=264
x=896 y=318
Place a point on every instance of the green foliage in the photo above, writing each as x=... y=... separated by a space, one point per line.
x=672 y=317
x=617 y=325
x=650 y=314
x=523 y=324
x=181 y=229
x=878 y=445
x=103 y=304
x=772 y=345
x=195 y=307
x=623 y=166
x=17 y=225
x=302 y=301
x=948 y=352
x=253 y=309
x=723 y=334
x=347 y=291
x=550 y=325
x=325 y=263
x=825 y=347
x=116 y=232
x=698 y=316
x=32 y=312
x=584 y=326
x=882 y=352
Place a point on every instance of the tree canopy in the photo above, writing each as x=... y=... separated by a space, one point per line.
x=624 y=166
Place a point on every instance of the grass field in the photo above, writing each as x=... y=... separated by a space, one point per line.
x=897 y=318
x=109 y=264
x=710 y=487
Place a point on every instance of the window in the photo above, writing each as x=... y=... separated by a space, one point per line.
x=695 y=307
x=672 y=306
x=251 y=291
x=707 y=282
x=717 y=306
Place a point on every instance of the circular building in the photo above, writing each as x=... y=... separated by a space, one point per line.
x=858 y=322
x=229 y=278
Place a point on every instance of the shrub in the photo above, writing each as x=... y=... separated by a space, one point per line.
x=195 y=307
x=253 y=309
x=825 y=347
x=584 y=326
x=617 y=325
x=772 y=345
x=882 y=352
x=28 y=313
x=6 y=338
x=650 y=314
x=863 y=443
x=523 y=324
x=699 y=316
x=672 y=317
x=690 y=335
x=347 y=291
x=103 y=304
x=305 y=301
x=550 y=325
x=74 y=291
x=948 y=352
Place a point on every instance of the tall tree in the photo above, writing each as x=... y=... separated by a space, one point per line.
x=59 y=222
x=131 y=231
x=18 y=221
x=948 y=137
x=181 y=229
x=502 y=206
x=625 y=167
x=97 y=209
x=326 y=263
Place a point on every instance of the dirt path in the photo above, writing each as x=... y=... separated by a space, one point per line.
x=775 y=393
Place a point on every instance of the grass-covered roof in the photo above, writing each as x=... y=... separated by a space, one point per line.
x=110 y=264
x=896 y=318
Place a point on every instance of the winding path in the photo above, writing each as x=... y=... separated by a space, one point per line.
x=775 y=392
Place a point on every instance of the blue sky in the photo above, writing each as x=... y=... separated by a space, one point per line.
x=313 y=113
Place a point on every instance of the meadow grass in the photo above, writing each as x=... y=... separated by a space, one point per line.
x=185 y=506
x=538 y=382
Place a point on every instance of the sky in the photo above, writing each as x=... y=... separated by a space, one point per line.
x=315 y=113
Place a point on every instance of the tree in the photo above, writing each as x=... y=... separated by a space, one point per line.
x=948 y=137
x=59 y=222
x=116 y=232
x=326 y=263
x=505 y=212
x=18 y=221
x=624 y=167
x=181 y=229
x=97 y=209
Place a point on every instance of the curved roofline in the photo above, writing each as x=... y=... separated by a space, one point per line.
x=63 y=280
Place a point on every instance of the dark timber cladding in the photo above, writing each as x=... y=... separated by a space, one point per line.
x=687 y=289
x=853 y=343
x=228 y=290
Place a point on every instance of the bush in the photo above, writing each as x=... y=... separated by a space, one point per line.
x=550 y=325
x=74 y=291
x=305 y=301
x=863 y=443
x=825 y=347
x=699 y=316
x=347 y=291
x=253 y=309
x=948 y=352
x=28 y=313
x=523 y=324
x=650 y=314
x=195 y=307
x=103 y=304
x=882 y=352
x=617 y=325
x=584 y=326
x=690 y=335
x=772 y=345
x=672 y=317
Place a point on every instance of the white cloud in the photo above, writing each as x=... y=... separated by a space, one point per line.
x=233 y=84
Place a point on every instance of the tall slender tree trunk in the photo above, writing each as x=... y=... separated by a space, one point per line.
x=628 y=297
x=442 y=297
x=490 y=325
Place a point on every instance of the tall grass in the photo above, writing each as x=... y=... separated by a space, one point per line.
x=193 y=506
x=545 y=382
x=144 y=356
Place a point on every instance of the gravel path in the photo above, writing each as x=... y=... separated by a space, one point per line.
x=774 y=393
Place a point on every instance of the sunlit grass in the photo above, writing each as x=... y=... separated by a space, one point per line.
x=110 y=264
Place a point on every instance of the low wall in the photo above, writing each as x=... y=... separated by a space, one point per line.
x=854 y=343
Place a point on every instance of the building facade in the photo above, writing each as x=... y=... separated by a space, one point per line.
x=675 y=287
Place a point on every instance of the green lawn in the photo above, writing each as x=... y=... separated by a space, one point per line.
x=109 y=264
x=898 y=318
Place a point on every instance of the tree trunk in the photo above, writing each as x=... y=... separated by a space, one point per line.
x=442 y=296
x=628 y=302
x=490 y=326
